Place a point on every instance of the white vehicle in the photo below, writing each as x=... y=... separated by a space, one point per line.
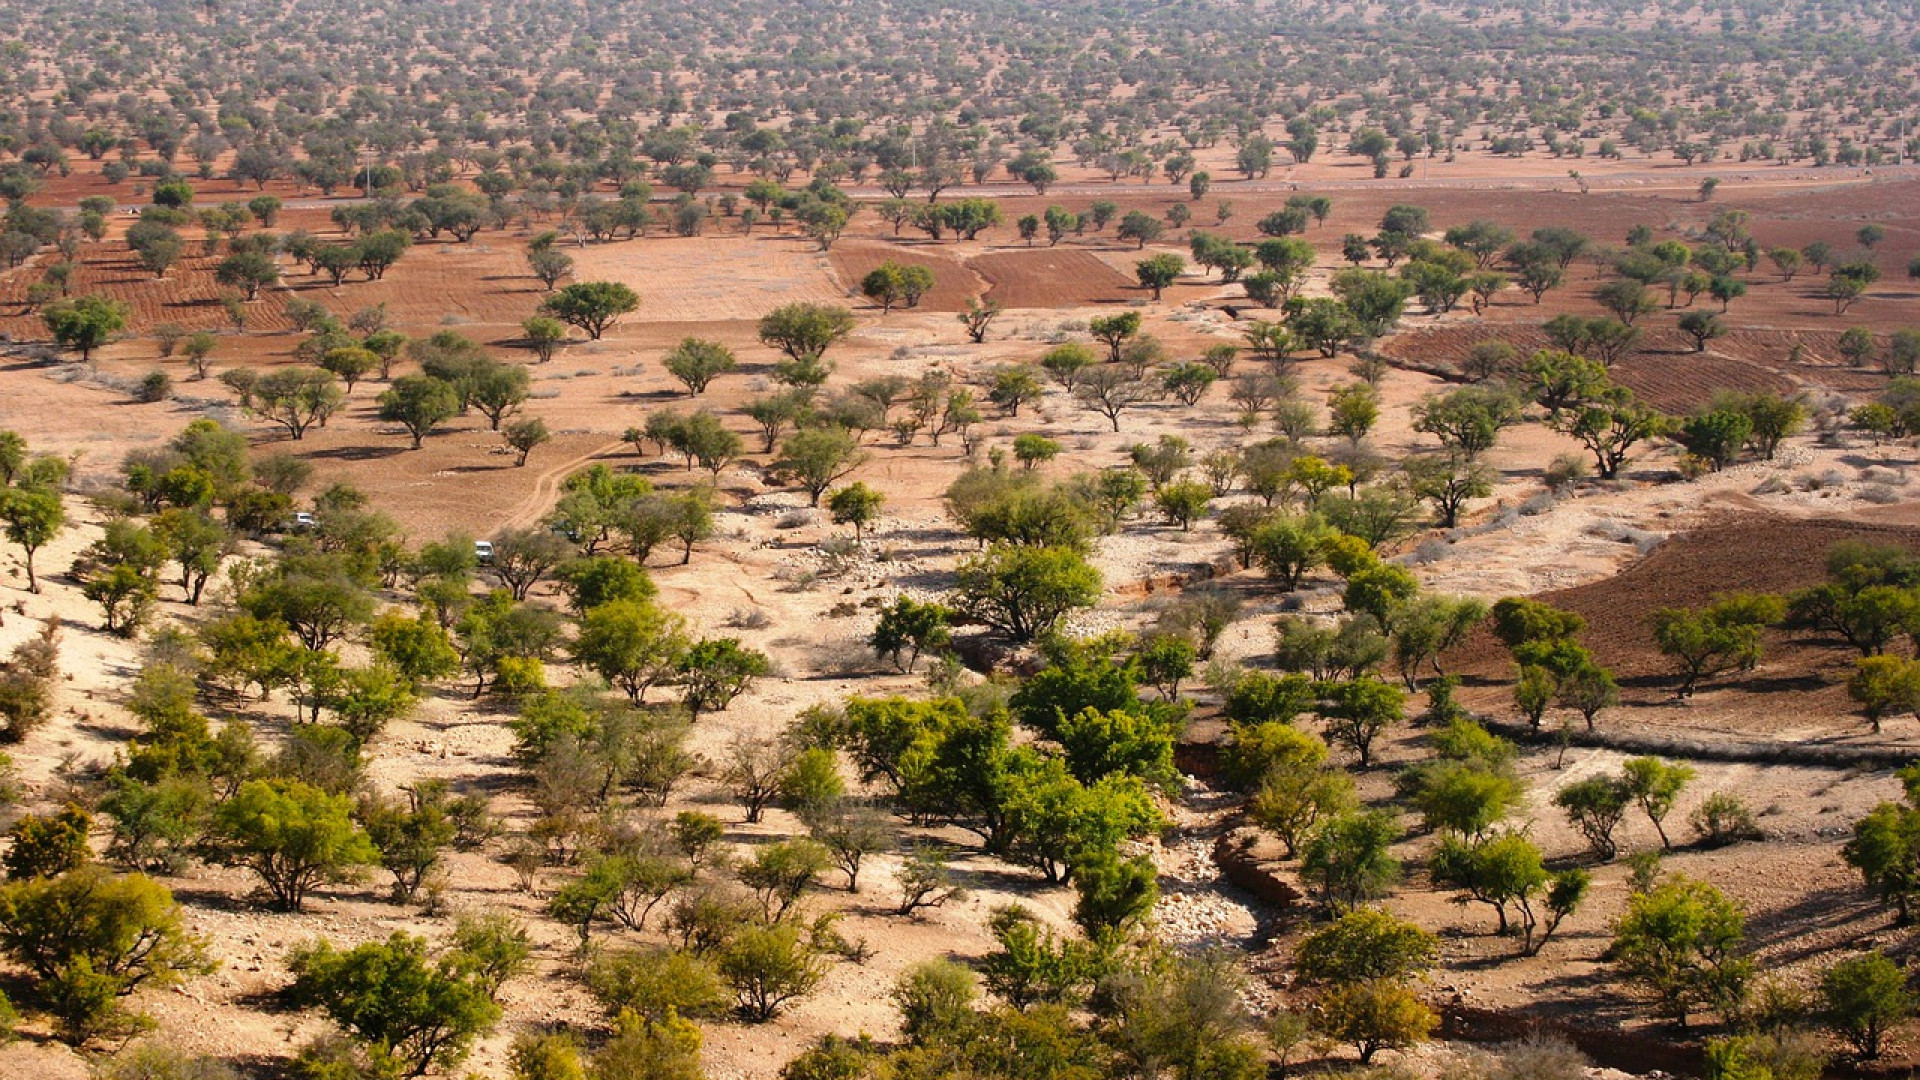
x=303 y=521
x=483 y=550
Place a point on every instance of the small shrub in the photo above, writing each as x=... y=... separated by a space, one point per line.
x=154 y=386
x=157 y=1060
x=1539 y=504
x=1879 y=495
x=26 y=683
x=1822 y=481
x=748 y=619
x=46 y=846
x=925 y=881
x=1565 y=471
x=656 y=983
x=1724 y=819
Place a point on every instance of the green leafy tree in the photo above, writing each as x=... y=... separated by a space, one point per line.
x=696 y=363
x=1626 y=299
x=318 y=598
x=1702 y=327
x=522 y=557
x=1024 y=591
x=655 y=984
x=292 y=835
x=857 y=505
x=1140 y=227
x=1595 y=807
x=524 y=436
x=549 y=264
x=804 y=332
x=1053 y=822
x=780 y=873
x=979 y=314
x=498 y=391
x=1033 y=966
x=1881 y=685
x=716 y=670
x=1295 y=797
x=84 y=323
x=1374 y=300
x=1114 y=331
x=418 y=648
x=593 y=580
x=1771 y=417
x=1373 y=1016
x=1466 y=798
x=593 y=306
x=632 y=643
x=1562 y=380
x=1655 y=786
x=769 y=967
x=935 y=998
x=1885 y=850
x=32 y=517
x=1365 y=944
x=1715 y=437
x=892 y=283
x=1356 y=712
x=1157 y=272
x=1506 y=873
x=410 y=836
x=409 y=1008
x=1349 y=861
x=1449 y=482
x=296 y=398
x=1862 y=997
x=1723 y=636
x=350 y=363
x=1124 y=743
x=669 y=1050
x=1013 y=386
x=1684 y=943
x=1183 y=502
x=49 y=845
x=818 y=457
x=1467 y=420
x=906 y=629
x=1113 y=895
x=1610 y=424
x=248 y=271
x=419 y=403
x=90 y=938
x=543 y=335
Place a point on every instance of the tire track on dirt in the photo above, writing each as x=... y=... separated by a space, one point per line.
x=547 y=484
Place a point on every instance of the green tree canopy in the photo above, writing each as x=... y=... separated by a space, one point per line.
x=593 y=306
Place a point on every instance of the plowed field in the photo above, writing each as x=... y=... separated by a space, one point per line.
x=1665 y=370
x=954 y=283
x=187 y=295
x=1053 y=277
x=1801 y=676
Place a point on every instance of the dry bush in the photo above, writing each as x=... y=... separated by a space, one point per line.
x=26 y=683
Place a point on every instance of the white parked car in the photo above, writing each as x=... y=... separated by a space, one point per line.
x=302 y=521
x=483 y=550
